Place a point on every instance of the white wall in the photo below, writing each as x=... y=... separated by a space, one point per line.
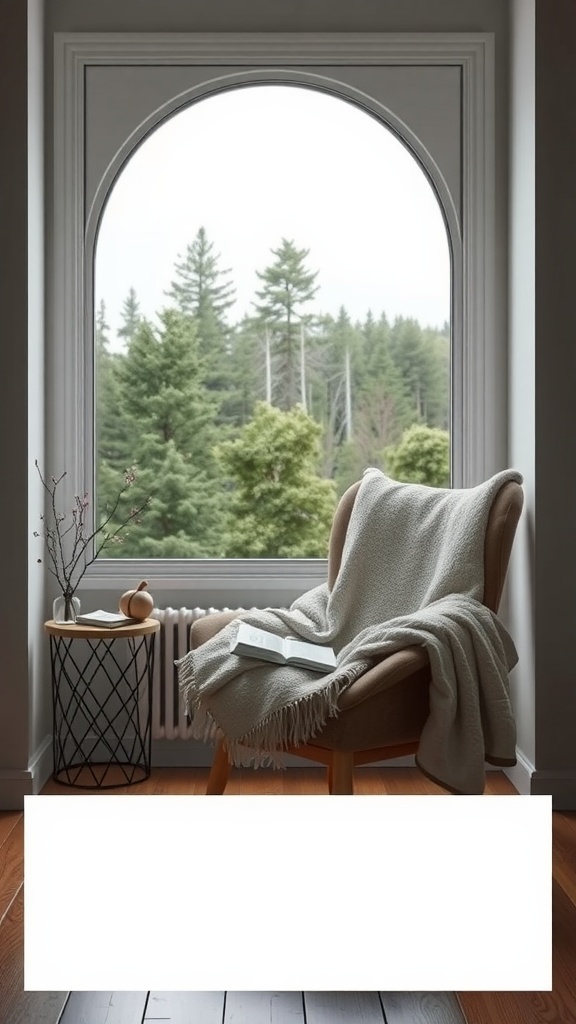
x=522 y=426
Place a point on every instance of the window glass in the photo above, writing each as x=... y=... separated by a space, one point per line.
x=272 y=299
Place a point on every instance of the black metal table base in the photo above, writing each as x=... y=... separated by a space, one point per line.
x=98 y=775
x=102 y=711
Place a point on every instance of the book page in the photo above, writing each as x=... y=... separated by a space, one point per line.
x=259 y=638
x=306 y=651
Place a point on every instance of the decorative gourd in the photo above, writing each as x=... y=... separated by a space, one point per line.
x=137 y=603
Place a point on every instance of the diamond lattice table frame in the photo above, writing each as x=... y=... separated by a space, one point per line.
x=102 y=705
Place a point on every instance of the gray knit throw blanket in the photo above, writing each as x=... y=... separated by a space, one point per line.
x=412 y=573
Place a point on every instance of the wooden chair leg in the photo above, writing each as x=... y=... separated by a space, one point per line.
x=341 y=773
x=219 y=772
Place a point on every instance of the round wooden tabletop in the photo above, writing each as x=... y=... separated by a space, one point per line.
x=73 y=630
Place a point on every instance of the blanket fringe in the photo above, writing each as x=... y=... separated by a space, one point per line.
x=292 y=725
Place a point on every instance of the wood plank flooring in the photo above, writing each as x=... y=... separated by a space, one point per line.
x=262 y=1008
x=16 y=1005
x=555 y=1007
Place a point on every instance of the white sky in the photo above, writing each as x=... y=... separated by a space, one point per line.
x=259 y=164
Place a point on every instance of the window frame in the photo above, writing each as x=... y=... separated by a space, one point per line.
x=478 y=352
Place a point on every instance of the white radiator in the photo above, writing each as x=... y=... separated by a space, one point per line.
x=172 y=642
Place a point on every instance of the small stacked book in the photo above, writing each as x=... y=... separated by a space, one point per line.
x=110 y=620
x=259 y=643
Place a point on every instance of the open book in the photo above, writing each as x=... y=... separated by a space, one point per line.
x=259 y=643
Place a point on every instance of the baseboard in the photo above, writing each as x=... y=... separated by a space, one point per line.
x=17 y=783
x=14 y=786
x=521 y=773
x=41 y=764
x=558 y=783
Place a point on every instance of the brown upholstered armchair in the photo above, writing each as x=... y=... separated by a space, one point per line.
x=383 y=712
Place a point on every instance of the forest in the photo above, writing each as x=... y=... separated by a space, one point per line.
x=244 y=435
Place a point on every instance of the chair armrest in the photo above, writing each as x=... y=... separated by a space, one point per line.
x=207 y=627
x=393 y=669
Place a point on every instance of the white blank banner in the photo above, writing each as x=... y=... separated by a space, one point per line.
x=280 y=893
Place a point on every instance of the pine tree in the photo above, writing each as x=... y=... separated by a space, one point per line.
x=381 y=409
x=288 y=287
x=422 y=358
x=247 y=374
x=412 y=360
x=205 y=293
x=333 y=380
x=438 y=386
x=172 y=420
x=183 y=518
x=196 y=289
x=101 y=327
x=131 y=317
x=384 y=407
x=102 y=380
x=113 y=443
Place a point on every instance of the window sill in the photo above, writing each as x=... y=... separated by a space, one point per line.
x=274 y=574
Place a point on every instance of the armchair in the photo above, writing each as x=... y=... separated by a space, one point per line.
x=381 y=714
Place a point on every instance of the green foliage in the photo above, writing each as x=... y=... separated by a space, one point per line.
x=114 y=444
x=288 y=288
x=333 y=376
x=163 y=383
x=423 y=365
x=279 y=507
x=184 y=517
x=421 y=457
x=130 y=316
x=204 y=292
x=200 y=288
x=190 y=400
x=172 y=426
x=247 y=373
x=383 y=409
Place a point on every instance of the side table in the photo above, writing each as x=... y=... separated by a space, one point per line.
x=102 y=703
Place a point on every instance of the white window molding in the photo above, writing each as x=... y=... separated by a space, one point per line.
x=478 y=328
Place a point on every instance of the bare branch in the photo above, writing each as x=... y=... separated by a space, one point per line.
x=67 y=568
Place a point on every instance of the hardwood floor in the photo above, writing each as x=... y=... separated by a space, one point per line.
x=555 y=1007
x=262 y=1008
x=17 y=1006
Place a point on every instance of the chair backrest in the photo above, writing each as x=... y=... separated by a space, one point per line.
x=500 y=530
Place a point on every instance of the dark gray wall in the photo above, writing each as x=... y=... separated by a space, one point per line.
x=14 y=384
x=277 y=16
x=555 y=380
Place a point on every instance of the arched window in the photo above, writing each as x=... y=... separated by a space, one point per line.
x=429 y=99
x=272 y=298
